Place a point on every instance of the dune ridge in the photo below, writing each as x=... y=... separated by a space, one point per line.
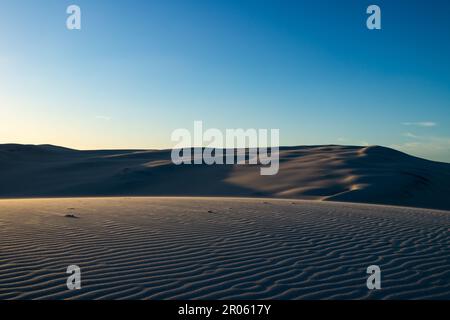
x=338 y=173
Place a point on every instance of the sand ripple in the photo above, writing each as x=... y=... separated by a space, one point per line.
x=173 y=248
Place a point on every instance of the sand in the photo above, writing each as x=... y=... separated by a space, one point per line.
x=216 y=248
x=325 y=173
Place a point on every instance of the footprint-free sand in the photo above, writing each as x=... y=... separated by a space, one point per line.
x=220 y=248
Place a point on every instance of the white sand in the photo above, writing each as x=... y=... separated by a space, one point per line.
x=173 y=248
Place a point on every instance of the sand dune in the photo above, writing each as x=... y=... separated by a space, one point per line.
x=173 y=248
x=338 y=173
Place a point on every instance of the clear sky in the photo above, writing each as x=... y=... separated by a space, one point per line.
x=137 y=70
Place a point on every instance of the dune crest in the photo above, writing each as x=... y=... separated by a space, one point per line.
x=340 y=173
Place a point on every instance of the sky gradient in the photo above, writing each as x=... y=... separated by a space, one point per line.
x=137 y=70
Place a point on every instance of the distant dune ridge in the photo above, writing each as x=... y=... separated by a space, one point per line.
x=339 y=173
x=233 y=247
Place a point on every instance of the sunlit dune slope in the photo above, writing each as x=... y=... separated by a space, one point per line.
x=339 y=173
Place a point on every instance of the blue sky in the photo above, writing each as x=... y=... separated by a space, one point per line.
x=137 y=70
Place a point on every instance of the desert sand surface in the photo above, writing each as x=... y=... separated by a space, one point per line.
x=338 y=173
x=221 y=248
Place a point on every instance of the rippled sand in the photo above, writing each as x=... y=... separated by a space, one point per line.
x=221 y=248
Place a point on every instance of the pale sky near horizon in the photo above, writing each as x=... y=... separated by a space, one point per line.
x=137 y=70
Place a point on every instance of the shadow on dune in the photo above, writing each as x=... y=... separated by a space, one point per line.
x=339 y=173
x=48 y=171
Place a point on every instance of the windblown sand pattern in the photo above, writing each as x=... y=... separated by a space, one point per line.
x=199 y=248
